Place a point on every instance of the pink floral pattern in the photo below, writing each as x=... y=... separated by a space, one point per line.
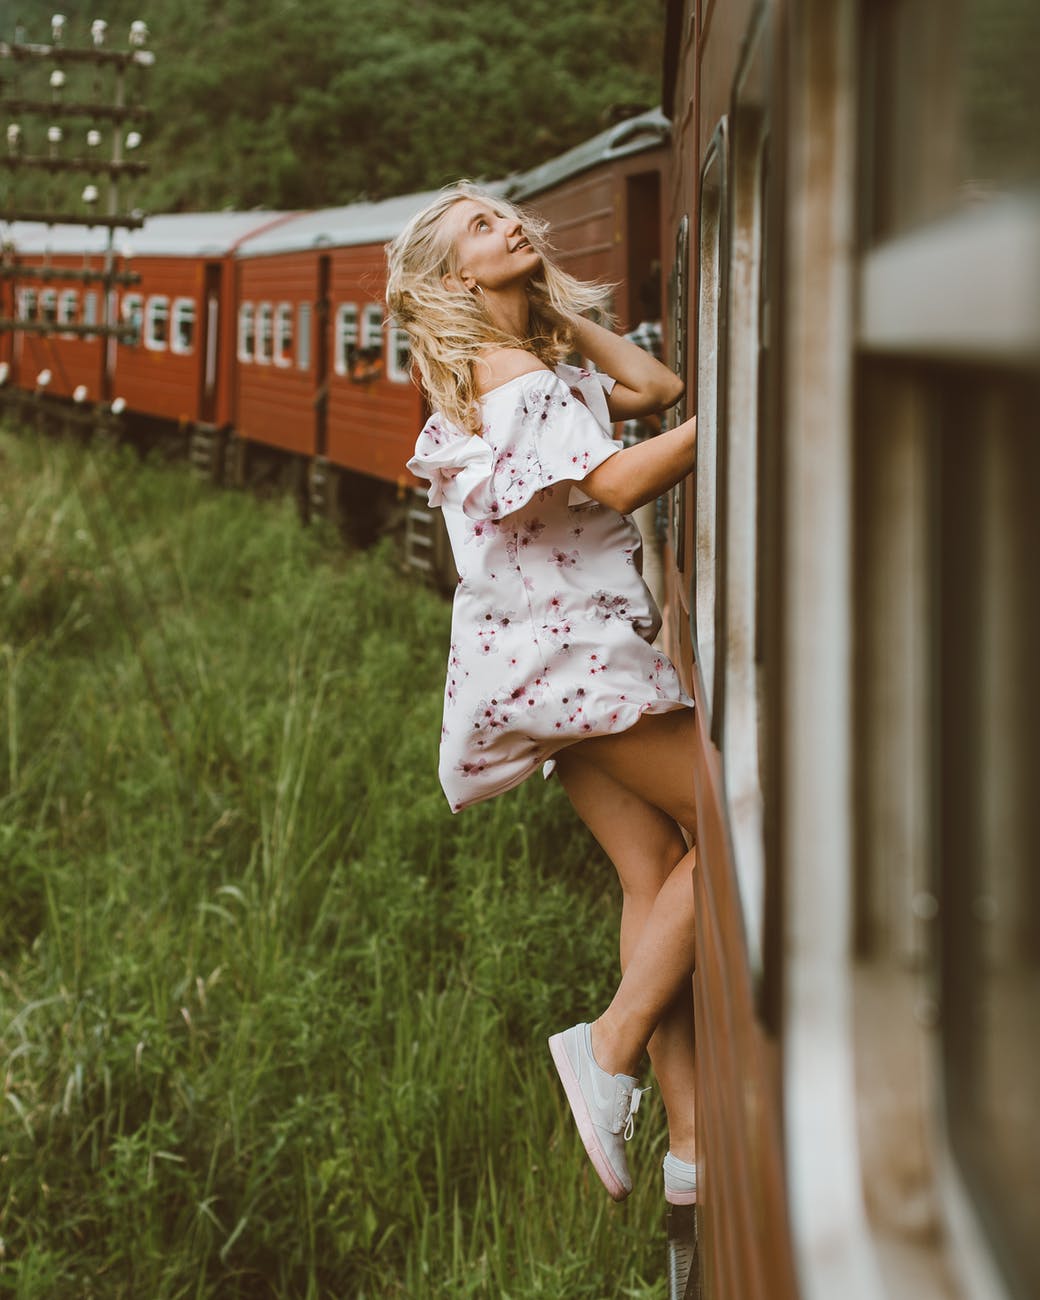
x=552 y=624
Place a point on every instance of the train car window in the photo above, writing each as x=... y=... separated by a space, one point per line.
x=399 y=355
x=157 y=323
x=246 y=332
x=90 y=311
x=372 y=327
x=27 y=304
x=711 y=400
x=133 y=315
x=965 y=76
x=265 y=333
x=346 y=337
x=182 y=335
x=283 y=334
x=49 y=306
x=986 y=760
x=303 y=334
x=68 y=309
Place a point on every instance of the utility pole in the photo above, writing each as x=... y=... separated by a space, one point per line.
x=97 y=88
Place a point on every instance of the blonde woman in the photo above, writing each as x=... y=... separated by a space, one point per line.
x=551 y=660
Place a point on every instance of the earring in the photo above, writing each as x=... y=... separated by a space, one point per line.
x=477 y=289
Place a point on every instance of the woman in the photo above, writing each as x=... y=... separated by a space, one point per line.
x=550 y=658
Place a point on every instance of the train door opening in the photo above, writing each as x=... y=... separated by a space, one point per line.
x=321 y=358
x=643 y=272
x=209 y=349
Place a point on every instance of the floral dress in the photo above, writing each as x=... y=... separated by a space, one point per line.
x=551 y=623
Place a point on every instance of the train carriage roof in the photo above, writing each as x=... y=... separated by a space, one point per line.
x=355 y=223
x=635 y=135
x=170 y=234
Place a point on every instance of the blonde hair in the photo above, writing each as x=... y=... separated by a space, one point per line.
x=448 y=327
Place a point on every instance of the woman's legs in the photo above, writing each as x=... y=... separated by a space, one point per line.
x=653 y=1006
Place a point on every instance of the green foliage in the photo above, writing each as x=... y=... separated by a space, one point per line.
x=272 y=1021
x=281 y=104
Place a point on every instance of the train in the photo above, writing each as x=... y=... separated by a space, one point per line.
x=846 y=225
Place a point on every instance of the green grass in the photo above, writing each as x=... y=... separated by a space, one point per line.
x=272 y=1020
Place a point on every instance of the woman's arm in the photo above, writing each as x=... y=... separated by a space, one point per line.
x=644 y=385
x=638 y=474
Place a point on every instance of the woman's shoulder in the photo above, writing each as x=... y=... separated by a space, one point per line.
x=499 y=366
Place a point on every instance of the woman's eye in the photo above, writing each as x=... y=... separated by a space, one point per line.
x=483 y=223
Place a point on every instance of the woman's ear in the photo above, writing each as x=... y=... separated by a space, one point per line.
x=458 y=283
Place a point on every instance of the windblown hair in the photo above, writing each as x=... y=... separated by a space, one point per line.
x=449 y=327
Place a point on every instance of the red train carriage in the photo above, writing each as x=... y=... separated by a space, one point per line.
x=178 y=366
x=603 y=202
x=321 y=375
x=854 y=233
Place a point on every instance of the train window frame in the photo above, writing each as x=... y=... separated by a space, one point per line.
x=132 y=311
x=347 y=337
x=68 y=298
x=264 y=334
x=183 y=308
x=712 y=314
x=398 y=355
x=49 y=306
x=303 y=336
x=157 y=322
x=28 y=305
x=372 y=322
x=246 y=332
x=737 y=714
x=283 y=335
x=679 y=294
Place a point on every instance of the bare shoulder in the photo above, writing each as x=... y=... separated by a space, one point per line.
x=498 y=366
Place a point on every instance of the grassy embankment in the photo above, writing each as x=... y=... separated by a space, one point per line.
x=272 y=1021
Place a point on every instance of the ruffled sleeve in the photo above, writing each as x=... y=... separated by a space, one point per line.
x=540 y=430
x=456 y=464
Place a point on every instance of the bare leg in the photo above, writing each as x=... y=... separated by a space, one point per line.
x=653 y=1005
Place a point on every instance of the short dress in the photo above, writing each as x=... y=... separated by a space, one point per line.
x=551 y=622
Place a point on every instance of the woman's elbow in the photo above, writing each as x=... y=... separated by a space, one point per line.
x=671 y=389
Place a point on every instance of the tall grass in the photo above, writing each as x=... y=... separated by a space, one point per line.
x=272 y=1021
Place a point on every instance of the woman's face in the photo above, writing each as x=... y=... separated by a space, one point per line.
x=490 y=245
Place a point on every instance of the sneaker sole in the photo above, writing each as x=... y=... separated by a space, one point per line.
x=586 y=1128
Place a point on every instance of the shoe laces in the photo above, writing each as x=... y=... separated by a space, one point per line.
x=633 y=1106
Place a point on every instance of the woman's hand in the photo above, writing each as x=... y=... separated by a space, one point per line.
x=643 y=385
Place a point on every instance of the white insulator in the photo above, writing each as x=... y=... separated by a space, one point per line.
x=14 y=135
x=97 y=31
x=133 y=140
x=57 y=27
x=79 y=393
x=43 y=379
x=93 y=137
x=57 y=79
x=90 y=194
x=118 y=405
x=55 y=135
x=126 y=248
x=138 y=32
x=5 y=371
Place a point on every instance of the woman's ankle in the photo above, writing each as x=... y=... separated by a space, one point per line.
x=608 y=1054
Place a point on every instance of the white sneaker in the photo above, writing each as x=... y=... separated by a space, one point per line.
x=602 y=1104
x=680 y=1181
